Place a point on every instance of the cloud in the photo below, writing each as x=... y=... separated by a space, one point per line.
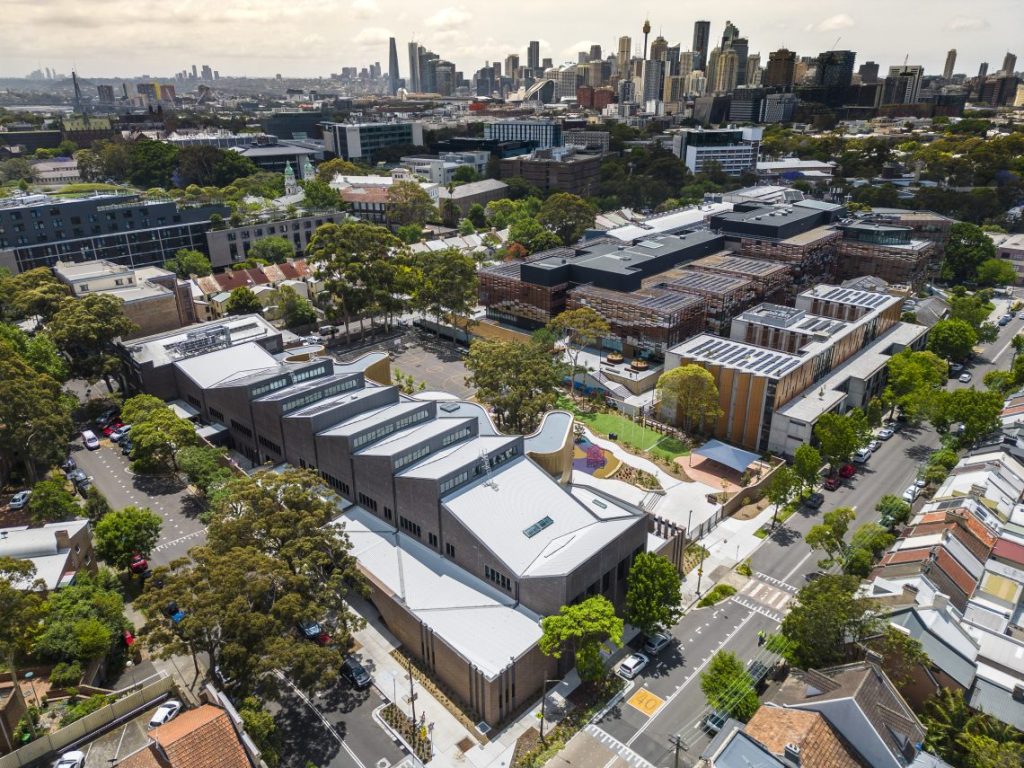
x=372 y=36
x=448 y=17
x=570 y=51
x=365 y=9
x=959 y=23
x=833 y=23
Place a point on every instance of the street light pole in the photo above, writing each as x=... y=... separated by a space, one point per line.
x=543 y=710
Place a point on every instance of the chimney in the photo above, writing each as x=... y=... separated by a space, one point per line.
x=792 y=752
x=63 y=540
x=940 y=602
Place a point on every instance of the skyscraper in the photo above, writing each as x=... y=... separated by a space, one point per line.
x=835 y=69
x=701 y=38
x=623 y=56
x=1009 y=63
x=781 y=69
x=726 y=71
x=595 y=53
x=659 y=49
x=983 y=69
x=754 y=73
x=512 y=66
x=686 y=63
x=653 y=80
x=868 y=73
x=903 y=85
x=947 y=71
x=533 y=55
x=415 y=84
x=392 y=67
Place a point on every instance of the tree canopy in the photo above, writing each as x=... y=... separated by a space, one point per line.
x=653 y=600
x=838 y=437
x=578 y=329
x=273 y=249
x=691 y=394
x=827 y=614
x=242 y=301
x=966 y=249
x=85 y=328
x=188 y=262
x=952 y=339
x=914 y=381
x=728 y=686
x=122 y=533
x=51 y=502
x=567 y=215
x=409 y=204
x=581 y=629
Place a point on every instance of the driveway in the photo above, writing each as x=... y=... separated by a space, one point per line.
x=167 y=497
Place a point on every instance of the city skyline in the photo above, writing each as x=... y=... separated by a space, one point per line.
x=170 y=37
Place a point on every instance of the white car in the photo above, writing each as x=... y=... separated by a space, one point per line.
x=165 y=713
x=885 y=434
x=120 y=432
x=874 y=445
x=20 y=499
x=90 y=440
x=910 y=495
x=920 y=482
x=862 y=456
x=74 y=759
x=633 y=665
x=656 y=643
x=965 y=378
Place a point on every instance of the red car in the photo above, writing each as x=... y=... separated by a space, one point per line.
x=847 y=471
x=138 y=564
x=832 y=482
x=112 y=427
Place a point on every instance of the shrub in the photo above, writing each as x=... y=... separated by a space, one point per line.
x=744 y=569
x=85 y=707
x=66 y=675
x=718 y=593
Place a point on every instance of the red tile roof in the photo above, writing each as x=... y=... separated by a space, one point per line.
x=1009 y=550
x=820 y=746
x=198 y=738
x=905 y=556
x=956 y=572
x=238 y=278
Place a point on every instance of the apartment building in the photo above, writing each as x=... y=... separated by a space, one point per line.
x=231 y=244
x=733 y=149
x=360 y=141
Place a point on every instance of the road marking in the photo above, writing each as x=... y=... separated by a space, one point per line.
x=616 y=746
x=327 y=724
x=757 y=608
x=172 y=542
x=645 y=701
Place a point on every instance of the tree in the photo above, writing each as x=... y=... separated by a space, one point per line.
x=728 y=686
x=837 y=437
x=270 y=561
x=260 y=726
x=578 y=329
x=139 y=408
x=807 y=463
x=465 y=174
x=21 y=609
x=208 y=166
x=477 y=216
x=966 y=249
x=517 y=380
x=85 y=328
x=948 y=720
x=868 y=543
x=409 y=204
x=914 y=380
x=830 y=535
x=125 y=532
x=83 y=619
x=783 y=488
x=894 y=508
x=465 y=227
x=274 y=249
x=327 y=170
x=568 y=216
x=976 y=411
x=96 y=504
x=653 y=600
x=148 y=163
x=996 y=272
x=157 y=439
x=529 y=233
x=409 y=234
x=319 y=195
x=974 y=310
x=447 y=284
x=952 y=339
x=15 y=169
x=202 y=464
x=243 y=301
x=296 y=311
x=581 y=629
x=51 y=502
x=188 y=262
x=827 y=614
x=691 y=395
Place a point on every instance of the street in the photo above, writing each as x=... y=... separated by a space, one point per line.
x=641 y=732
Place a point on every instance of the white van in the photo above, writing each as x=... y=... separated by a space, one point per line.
x=90 y=440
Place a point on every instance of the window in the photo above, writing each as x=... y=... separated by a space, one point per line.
x=408 y=525
x=216 y=414
x=412 y=456
x=367 y=502
x=241 y=428
x=537 y=527
x=387 y=513
x=270 y=446
x=454 y=436
x=449 y=550
x=194 y=400
x=432 y=539
x=498 y=578
x=452 y=482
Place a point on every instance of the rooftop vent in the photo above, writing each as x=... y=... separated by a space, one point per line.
x=792 y=752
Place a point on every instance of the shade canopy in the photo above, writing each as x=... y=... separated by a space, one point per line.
x=730 y=456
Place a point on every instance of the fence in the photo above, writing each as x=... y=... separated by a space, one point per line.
x=90 y=725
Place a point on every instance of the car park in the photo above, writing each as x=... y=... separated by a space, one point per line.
x=73 y=759
x=633 y=665
x=656 y=643
x=911 y=493
x=112 y=427
x=885 y=433
x=814 y=501
x=356 y=673
x=120 y=432
x=20 y=499
x=964 y=378
x=90 y=440
x=165 y=713
x=862 y=456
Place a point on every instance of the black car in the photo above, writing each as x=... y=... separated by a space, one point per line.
x=814 y=501
x=84 y=486
x=126 y=447
x=76 y=476
x=758 y=672
x=356 y=673
x=69 y=465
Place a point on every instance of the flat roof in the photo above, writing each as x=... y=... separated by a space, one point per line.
x=483 y=624
x=840 y=295
x=410 y=436
x=501 y=507
x=226 y=364
x=669 y=222
x=437 y=465
x=173 y=346
x=367 y=419
x=82 y=270
x=551 y=434
x=738 y=355
x=725 y=261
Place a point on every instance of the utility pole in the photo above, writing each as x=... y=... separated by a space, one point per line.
x=700 y=568
x=412 y=699
x=677 y=743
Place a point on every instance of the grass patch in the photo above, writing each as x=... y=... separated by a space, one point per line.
x=782 y=517
x=744 y=569
x=631 y=434
x=717 y=594
x=77 y=189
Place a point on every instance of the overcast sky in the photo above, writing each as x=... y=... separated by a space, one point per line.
x=107 y=38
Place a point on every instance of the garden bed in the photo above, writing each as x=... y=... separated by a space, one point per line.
x=446 y=701
x=417 y=737
x=717 y=594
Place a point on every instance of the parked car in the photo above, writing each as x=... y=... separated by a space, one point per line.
x=90 y=440
x=714 y=722
x=83 y=486
x=758 y=672
x=885 y=433
x=633 y=665
x=862 y=456
x=356 y=673
x=76 y=476
x=74 y=759
x=955 y=369
x=874 y=445
x=20 y=499
x=165 y=713
x=832 y=482
x=311 y=630
x=814 y=501
x=112 y=427
x=910 y=495
x=138 y=564
x=656 y=643
x=920 y=482
x=120 y=432
x=847 y=471
x=126 y=446
x=173 y=612
x=813 y=575
x=1005 y=319
x=68 y=465
x=965 y=377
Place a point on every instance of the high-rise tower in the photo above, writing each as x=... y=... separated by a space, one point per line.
x=392 y=67
x=701 y=38
x=947 y=71
x=533 y=55
x=1009 y=63
x=647 y=31
x=415 y=84
x=624 y=55
x=781 y=68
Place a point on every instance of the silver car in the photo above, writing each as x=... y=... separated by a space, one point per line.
x=633 y=665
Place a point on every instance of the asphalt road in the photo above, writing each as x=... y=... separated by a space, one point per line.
x=641 y=732
x=111 y=474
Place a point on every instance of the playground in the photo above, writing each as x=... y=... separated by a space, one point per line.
x=593 y=459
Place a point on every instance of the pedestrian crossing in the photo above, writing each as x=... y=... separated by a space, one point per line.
x=766 y=595
x=757 y=607
x=617 y=747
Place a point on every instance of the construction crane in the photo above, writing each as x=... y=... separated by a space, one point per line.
x=836 y=43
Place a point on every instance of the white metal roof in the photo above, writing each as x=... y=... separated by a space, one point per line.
x=224 y=364
x=478 y=621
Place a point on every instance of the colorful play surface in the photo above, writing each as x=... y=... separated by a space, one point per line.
x=593 y=459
